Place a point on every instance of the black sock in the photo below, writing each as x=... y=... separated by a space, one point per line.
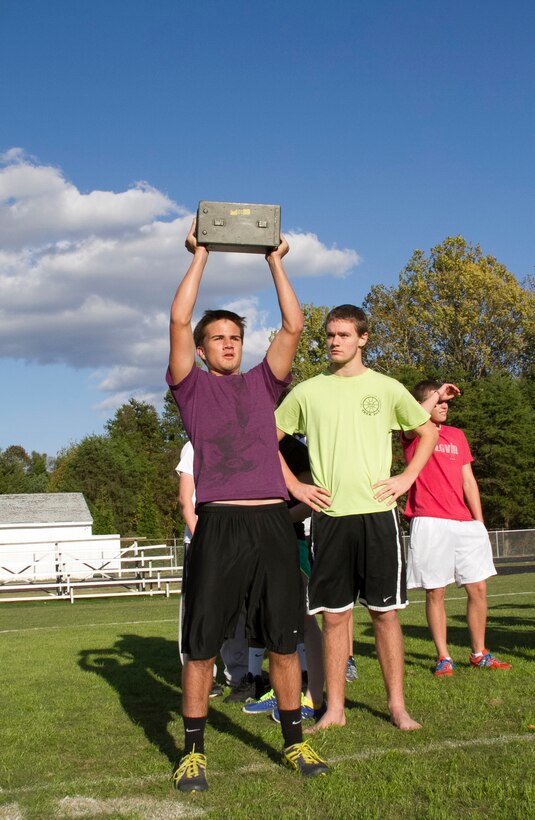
x=194 y=734
x=292 y=730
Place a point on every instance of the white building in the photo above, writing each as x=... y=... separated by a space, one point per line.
x=49 y=536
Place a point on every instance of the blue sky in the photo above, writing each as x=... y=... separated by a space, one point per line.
x=380 y=127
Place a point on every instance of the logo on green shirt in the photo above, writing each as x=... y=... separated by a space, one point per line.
x=370 y=405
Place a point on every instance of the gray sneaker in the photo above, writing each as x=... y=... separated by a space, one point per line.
x=351 y=670
x=216 y=690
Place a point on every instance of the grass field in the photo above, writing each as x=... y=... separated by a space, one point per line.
x=90 y=722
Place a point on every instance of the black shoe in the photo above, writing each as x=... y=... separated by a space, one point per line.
x=244 y=690
x=190 y=776
x=303 y=759
x=216 y=690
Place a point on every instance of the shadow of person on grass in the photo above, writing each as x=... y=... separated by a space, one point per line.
x=149 y=698
x=146 y=674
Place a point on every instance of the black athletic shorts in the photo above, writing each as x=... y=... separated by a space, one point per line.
x=242 y=556
x=357 y=557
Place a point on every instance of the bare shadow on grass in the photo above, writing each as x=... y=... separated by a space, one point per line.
x=146 y=674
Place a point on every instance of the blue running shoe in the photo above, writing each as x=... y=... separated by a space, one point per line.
x=262 y=706
x=307 y=710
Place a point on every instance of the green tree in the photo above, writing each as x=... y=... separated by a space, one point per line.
x=101 y=465
x=103 y=515
x=23 y=473
x=147 y=515
x=311 y=357
x=456 y=311
x=156 y=443
x=500 y=426
x=137 y=420
x=112 y=470
x=171 y=424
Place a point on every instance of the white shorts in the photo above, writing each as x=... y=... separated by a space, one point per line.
x=442 y=551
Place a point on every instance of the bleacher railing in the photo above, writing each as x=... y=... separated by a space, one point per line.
x=138 y=568
x=142 y=568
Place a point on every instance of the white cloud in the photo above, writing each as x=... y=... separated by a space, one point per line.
x=38 y=205
x=86 y=279
x=311 y=258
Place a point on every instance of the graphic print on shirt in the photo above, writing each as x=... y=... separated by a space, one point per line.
x=370 y=405
x=447 y=449
x=231 y=447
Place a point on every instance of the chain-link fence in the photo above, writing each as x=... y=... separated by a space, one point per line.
x=512 y=543
x=505 y=543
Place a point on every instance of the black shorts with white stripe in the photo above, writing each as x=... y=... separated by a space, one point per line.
x=357 y=557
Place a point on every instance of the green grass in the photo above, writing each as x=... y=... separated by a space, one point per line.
x=90 y=722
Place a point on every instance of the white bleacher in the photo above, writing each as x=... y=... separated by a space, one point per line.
x=48 y=552
x=136 y=569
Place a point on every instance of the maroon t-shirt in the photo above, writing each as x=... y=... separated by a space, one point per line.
x=231 y=423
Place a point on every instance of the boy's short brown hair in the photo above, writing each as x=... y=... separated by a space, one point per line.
x=421 y=390
x=214 y=316
x=350 y=313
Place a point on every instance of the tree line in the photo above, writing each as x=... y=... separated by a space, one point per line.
x=455 y=315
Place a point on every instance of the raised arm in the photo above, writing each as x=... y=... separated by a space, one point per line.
x=445 y=392
x=182 y=353
x=391 y=488
x=282 y=349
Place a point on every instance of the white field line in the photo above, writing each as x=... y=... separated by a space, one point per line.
x=463 y=597
x=10 y=812
x=70 y=627
x=143 y=807
x=366 y=754
x=500 y=740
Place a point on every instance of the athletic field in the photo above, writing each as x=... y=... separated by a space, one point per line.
x=90 y=722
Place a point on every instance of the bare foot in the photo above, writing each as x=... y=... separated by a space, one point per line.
x=327 y=720
x=402 y=720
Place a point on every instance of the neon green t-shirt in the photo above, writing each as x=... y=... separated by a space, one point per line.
x=348 y=422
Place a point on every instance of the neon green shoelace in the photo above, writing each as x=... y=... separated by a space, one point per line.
x=303 y=750
x=190 y=766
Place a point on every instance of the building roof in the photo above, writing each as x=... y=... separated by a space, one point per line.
x=44 y=508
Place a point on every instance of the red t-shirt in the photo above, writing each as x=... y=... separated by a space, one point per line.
x=438 y=490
